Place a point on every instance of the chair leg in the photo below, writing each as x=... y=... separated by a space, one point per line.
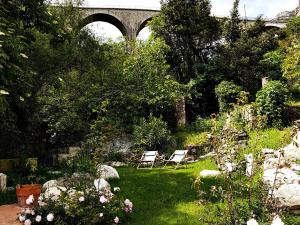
x=152 y=164
x=177 y=165
x=165 y=164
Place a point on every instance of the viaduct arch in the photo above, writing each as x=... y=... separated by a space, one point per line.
x=129 y=21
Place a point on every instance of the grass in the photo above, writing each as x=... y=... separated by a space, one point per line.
x=268 y=138
x=163 y=196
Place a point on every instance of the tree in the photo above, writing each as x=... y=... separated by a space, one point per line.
x=232 y=27
x=191 y=34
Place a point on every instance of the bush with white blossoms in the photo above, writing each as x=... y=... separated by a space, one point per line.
x=78 y=205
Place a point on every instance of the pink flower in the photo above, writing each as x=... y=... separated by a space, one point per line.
x=27 y=222
x=116 y=220
x=103 y=199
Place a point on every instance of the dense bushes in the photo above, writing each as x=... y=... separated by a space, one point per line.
x=152 y=134
x=271 y=101
x=227 y=92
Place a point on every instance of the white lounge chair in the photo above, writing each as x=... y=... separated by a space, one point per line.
x=148 y=157
x=177 y=157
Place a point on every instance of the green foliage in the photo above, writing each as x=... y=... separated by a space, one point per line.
x=271 y=64
x=291 y=63
x=293 y=27
x=190 y=32
x=227 y=93
x=271 y=101
x=232 y=27
x=240 y=59
x=152 y=134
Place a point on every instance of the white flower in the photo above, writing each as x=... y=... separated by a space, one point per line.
x=81 y=199
x=50 y=217
x=116 y=189
x=27 y=222
x=40 y=198
x=103 y=199
x=22 y=218
x=252 y=222
x=277 y=221
x=33 y=212
x=3 y=92
x=29 y=200
x=38 y=218
x=101 y=214
x=23 y=55
x=116 y=220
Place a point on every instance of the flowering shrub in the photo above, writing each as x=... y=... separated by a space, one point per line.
x=77 y=207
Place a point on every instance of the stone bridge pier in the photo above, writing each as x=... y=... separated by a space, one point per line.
x=129 y=21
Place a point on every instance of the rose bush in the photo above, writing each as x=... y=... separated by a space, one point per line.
x=78 y=205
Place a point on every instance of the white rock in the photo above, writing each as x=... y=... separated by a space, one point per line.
x=210 y=173
x=54 y=192
x=277 y=221
x=50 y=184
x=249 y=165
x=117 y=164
x=107 y=172
x=291 y=152
x=3 y=181
x=296 y=139
x=252 y=222
x=283 y=176
x=102 y=185
x=288 y=195
x=273 y=163
x=295 y=167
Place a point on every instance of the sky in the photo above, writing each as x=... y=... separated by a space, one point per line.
x=252 y=8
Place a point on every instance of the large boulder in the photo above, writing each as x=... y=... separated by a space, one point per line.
x=107 y=172
x=289 y=195
x=274 y=163
x=102 y=185
x=278 y=177
x=50 y=184
x=210 y=173
x=54 y=192
x=291 y=152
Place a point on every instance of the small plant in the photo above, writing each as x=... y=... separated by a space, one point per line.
x=227 y=93
x=152 y=134
x=271 y=101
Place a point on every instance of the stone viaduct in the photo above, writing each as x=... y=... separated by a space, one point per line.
x=131 y=21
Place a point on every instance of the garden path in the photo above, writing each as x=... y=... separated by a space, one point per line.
x=8 y=214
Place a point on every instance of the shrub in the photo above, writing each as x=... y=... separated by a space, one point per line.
x=227 y=93
x=80 y=203
x=271 y=101
x=152 y=134
x=201 y=124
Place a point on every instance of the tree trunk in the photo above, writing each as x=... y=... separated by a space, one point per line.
x=180 y=112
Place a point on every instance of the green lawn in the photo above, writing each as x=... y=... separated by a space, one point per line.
x=163 y=196
x=168 y=197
